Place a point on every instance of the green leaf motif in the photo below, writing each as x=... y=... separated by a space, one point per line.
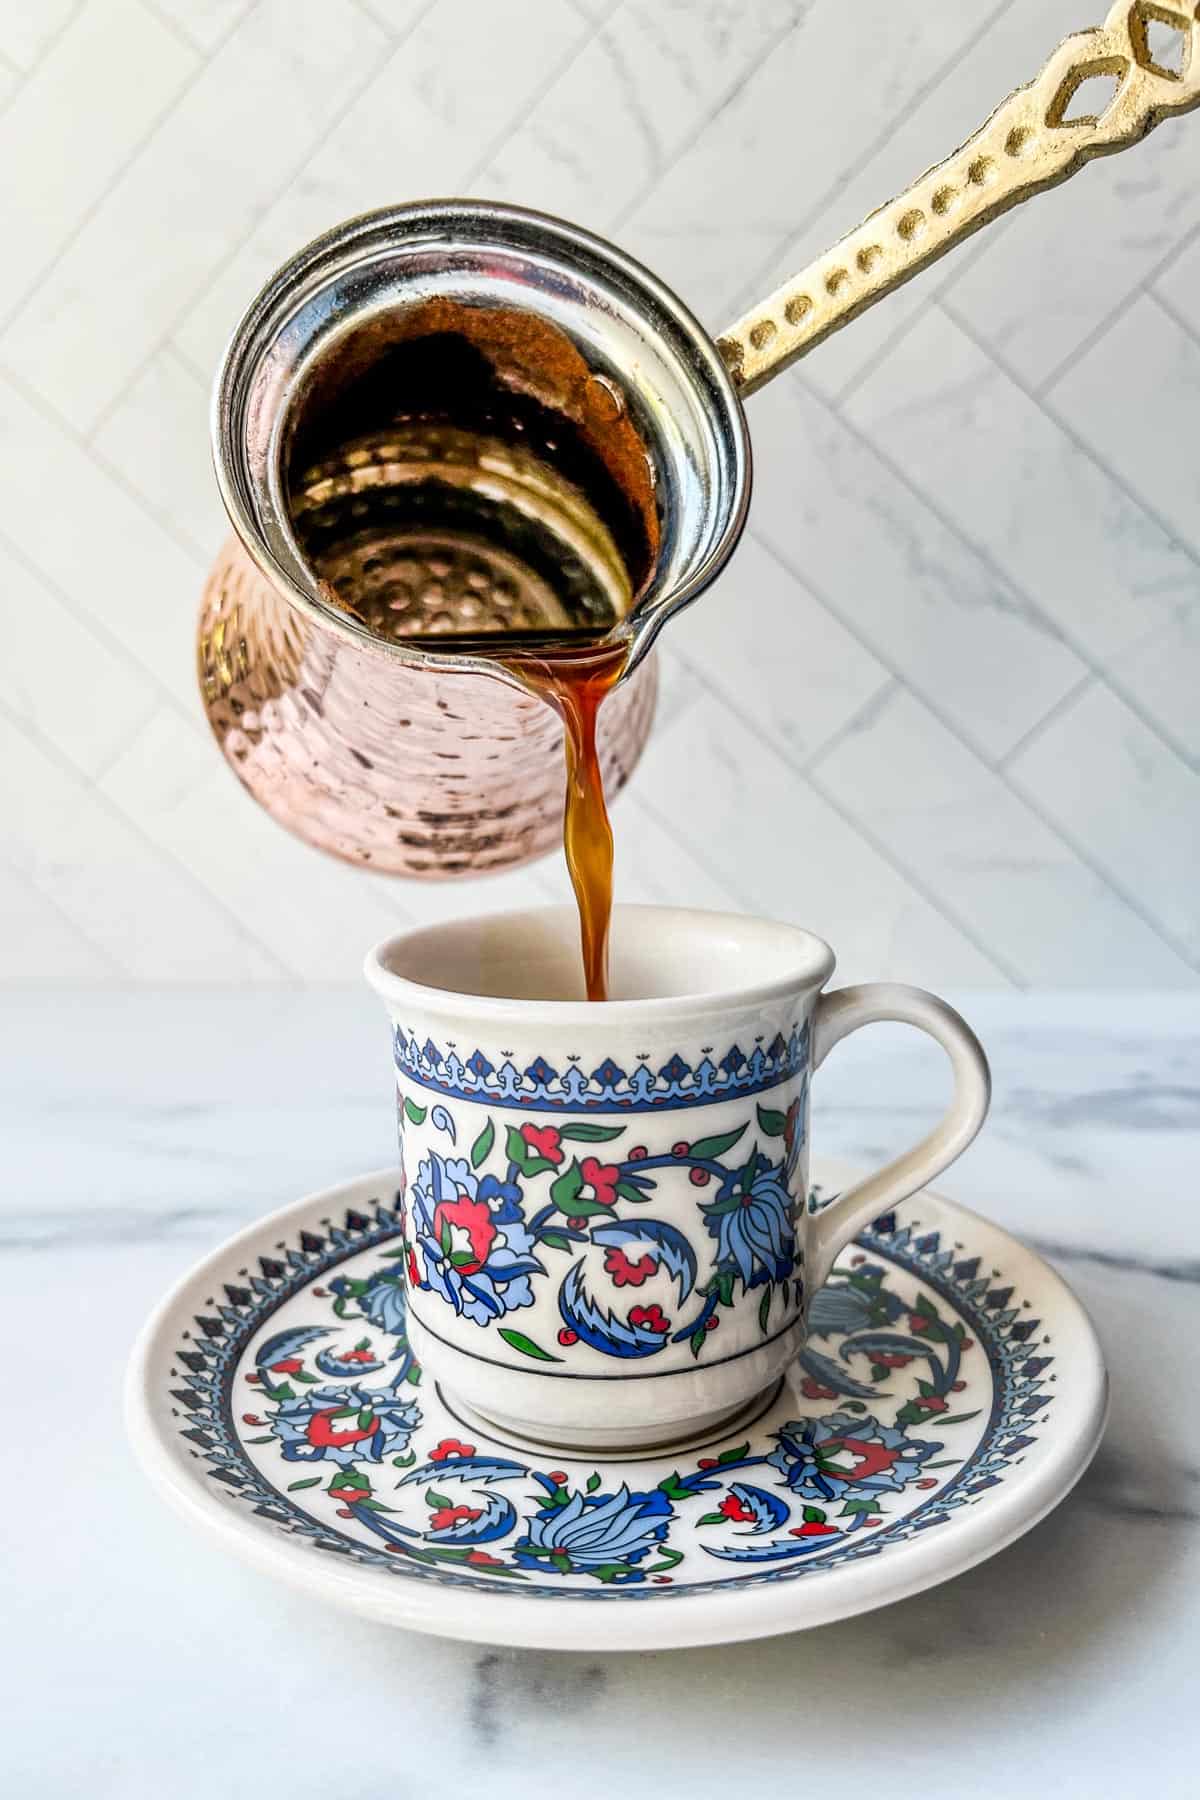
x=309 y=1481
x=813 y=1515
x=481 y=1148
x=414 y=1112
x=945 y=1419
x=715 y=1518
x=519 y=1152
x=582 y=1131
x=728 y=1456
x=434 y=1501
x=557 y=1240
x=526 y=1346
x=771 y=1122
x=628 y=1190
x=705 y=1149
x=593 y=1482
x=764 y=1307
x=673 y=1488
x=567 y=1187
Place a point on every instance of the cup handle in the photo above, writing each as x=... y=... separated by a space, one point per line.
x=838 y=1014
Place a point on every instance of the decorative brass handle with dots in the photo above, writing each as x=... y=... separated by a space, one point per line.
x=1030 y=143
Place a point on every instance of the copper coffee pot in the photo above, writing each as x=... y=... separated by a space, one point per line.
x=453 y=424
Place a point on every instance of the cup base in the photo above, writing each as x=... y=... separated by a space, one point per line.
x=683 y=1435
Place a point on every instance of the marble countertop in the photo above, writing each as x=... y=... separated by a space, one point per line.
x=141 y=1128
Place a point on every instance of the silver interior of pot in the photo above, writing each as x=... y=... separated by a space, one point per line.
x=329 y=318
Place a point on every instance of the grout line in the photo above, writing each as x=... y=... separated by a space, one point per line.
x=804 y=771
x=1170 y=530
x=916 y=881
x=745 y=296
x=1002 y=775
x=621 y=217
x=863 y=717
x=184 y=360
x=1088 y=342
x=48 y=45
x=1052 y=627
x=218 y=268
x=49 y=900
x=1053 y=411
x=1185 y=325
x=116 y=646
x=1059 y=710
x=161 y=852
x=380 y=18
x=170 y=106
x=592 y=29
x=967 y=256
x=1131 y=900
x=117 y=476
x=176 y=29
x=696 y=853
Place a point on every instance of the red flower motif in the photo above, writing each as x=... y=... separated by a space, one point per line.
x=414 y=1274
x=791 y=1121
x=450 y=1447
x=680 y=1149
x=652 y=1317
x=928 y=1482
x=567 y=1337
x=919 y=1321
x=931 y=1403
x=350 y=1495
x=602 y=1178
x=814 y=1529
x=472 y=1217
x=324 y=1434
x=707 y=1462
x=870 y=1457
x=699 y=1177
x=736 y=1509
x=481 y=1560
x=544 y=1140
x=291 y=1365
x=450 y=1515
x=357 y=1356
x=812 y=1390
x=626 y=1273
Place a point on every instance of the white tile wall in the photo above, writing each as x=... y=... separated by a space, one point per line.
x=943 y=706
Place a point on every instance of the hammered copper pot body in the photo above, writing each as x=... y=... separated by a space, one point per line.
x=435 y=776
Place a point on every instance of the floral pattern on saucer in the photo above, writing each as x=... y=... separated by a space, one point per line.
x=924 y=1381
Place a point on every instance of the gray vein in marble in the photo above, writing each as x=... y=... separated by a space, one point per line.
x=111 y=1228
x=1184 y=1270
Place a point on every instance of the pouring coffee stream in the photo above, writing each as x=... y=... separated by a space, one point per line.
x=471 y=440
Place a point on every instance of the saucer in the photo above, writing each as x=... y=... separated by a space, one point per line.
x=951 y=1393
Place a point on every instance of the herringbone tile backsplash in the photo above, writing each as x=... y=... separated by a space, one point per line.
x=944 y=706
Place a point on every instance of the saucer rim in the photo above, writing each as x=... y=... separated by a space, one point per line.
x=529 y=1622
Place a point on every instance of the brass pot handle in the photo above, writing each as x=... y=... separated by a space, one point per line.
x=1029 y=144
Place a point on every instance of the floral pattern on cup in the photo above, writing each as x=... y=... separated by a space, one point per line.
x=487 y=1232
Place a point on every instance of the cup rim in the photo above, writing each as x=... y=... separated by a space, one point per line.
x=811 y=969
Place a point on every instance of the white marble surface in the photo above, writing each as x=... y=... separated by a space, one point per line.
x=142 y=1127
x=971 y=585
